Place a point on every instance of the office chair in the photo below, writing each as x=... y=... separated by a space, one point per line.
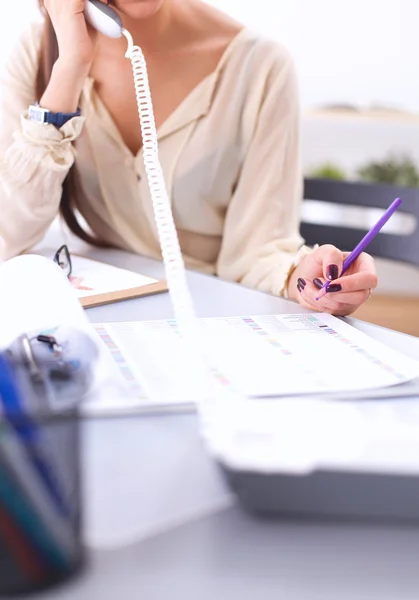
x=398 y=247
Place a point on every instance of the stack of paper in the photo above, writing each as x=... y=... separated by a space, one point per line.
x=258 y=356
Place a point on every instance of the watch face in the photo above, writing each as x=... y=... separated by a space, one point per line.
x=36 y=114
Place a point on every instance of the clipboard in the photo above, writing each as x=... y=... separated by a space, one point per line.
x=97 y=283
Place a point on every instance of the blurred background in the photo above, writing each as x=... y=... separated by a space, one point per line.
x=358 y=68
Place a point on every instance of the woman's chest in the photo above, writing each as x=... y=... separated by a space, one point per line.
x=171 y=85
x=200 y=168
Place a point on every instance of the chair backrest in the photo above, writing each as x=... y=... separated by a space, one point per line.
x=392 y=246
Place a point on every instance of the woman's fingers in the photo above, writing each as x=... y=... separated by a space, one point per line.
x=328 y=260
x=307 y=297
x=354 y=298
x=345 y=293
x=362 y=276
x=338 y=303
x=341 y=292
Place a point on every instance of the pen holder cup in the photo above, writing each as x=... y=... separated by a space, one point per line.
x=40 y=501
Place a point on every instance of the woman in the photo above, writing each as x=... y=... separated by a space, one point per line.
x=226 y=109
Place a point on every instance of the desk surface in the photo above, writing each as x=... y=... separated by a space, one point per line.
x=216 y=551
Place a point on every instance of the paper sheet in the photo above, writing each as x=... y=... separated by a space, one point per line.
x=90 y=278
x=161 y=478
x=35 y=295
x=265 y=356
x=391 y=439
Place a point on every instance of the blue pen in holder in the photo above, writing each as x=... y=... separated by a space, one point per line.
x=42 y=381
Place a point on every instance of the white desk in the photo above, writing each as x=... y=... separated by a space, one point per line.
x=226 y=554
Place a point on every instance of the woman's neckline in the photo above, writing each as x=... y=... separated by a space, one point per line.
x=207 y=80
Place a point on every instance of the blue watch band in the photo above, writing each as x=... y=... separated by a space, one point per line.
x=59 y=119
x=43 y=115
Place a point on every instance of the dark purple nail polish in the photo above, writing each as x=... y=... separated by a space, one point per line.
x=332 y=272
x=332 y=289
x=302 y=283
x=318 y=283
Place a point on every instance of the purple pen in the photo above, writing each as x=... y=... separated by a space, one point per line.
x=364 y=242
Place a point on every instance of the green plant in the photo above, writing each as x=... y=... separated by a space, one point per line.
x=394 y=170
x=329 y=171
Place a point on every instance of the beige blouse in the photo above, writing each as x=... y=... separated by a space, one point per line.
x=229 y=153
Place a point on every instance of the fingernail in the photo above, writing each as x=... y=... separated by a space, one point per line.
x=301 y=284
x=332 y=272
x=318 y=283
x=332 y=289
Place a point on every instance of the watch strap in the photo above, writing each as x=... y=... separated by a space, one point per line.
x=43 y=115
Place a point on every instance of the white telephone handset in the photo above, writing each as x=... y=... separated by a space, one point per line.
x=103 y=18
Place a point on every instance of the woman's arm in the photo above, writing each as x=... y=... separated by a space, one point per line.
x=34 y=158
x=261 y=235
x=261 y=244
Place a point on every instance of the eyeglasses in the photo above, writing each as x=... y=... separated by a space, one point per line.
x=63 y=259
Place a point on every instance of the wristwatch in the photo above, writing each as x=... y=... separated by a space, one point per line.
x=43 y=115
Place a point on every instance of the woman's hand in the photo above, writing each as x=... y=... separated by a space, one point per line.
x=75 y=42
x=345 y=294
x=76 y=49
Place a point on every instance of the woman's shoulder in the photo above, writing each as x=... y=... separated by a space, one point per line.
x=252 y=52
x=254 y=66
x=246 y=46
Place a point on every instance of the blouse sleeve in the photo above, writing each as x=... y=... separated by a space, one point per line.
x=34 y=158
x=261 y=241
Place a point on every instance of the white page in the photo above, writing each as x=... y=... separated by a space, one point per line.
x=90 y=278
x=392 y=443
x=272 y=355
x=35 y=294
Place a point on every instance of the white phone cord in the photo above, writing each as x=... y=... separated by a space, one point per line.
x=172 y=256
x=211 y=396
x=169 y=242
